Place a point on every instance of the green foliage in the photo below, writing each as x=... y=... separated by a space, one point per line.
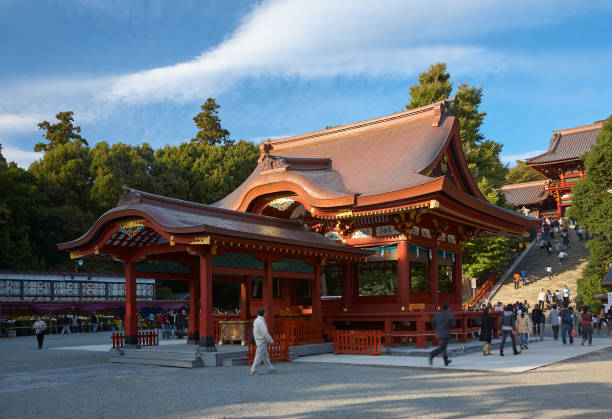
x=163 y=292
x=592 y=207
x=61 y=195
x=60 y=133
x=209 y=125
x=434 y=85
x=523 y=173
x=589 y=284
x=591 y=201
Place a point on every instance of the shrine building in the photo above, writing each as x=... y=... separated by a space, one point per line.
x=373 y=214
x=562 y=166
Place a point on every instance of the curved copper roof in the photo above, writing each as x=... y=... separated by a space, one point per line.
x=368 y=158
x=568 y=144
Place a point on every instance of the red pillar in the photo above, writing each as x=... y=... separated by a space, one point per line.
x=347 y=284
x=207 y=322
x=193 y=328
x=403 y=273
x=458 y=279
x=267 y=289
x=131 y=312
x=317 y=313
x=244 y=298
x=433 y=278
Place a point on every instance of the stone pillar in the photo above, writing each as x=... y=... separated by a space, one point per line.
x=403 y=273
x=433 y=278
x=131 y=312
x=207 y=322
x=347 y=284
x=245 y=298
x=266 y=293
x=317 y=313
x=193 y=328
x=458 y=279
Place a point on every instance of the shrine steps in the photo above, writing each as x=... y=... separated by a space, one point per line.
x=151 y=357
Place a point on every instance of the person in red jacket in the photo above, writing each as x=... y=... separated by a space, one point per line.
x=587 y=326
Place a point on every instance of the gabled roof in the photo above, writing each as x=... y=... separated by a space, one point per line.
x=525 y=193
x=568 y=144
x=175 y=216
x=607 y=281
x=365 y=159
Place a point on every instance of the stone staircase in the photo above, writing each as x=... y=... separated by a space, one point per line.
x=535 y=263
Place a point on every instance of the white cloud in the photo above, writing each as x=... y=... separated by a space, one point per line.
x=21 y=157
x=512 y=158
x=304 y=39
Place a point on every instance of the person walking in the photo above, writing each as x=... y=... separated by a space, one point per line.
x=524 y=275
x=549 y=248
x=262 y=338
x=553 y=319
x=487 y=325
x=562 y=256
x=565 y=292
x=179 y=323
x=549 y=271
x=443 y=322
x=170 y=320
x=567 y=325
x=507 y=327
x=541 y=298
x=535 y=320
x=516 y=280
x=601 y=319
x=587 y=326
x=66 y=323
x=94 y=322
x=522 y=328
x=40 y=327
x=75 y=324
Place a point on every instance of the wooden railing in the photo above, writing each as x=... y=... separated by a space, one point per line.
x=145 y=338
x=278 y=351
x=298 y=330
x=368 y=342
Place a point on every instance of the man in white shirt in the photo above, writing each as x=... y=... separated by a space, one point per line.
x=541 y=298
x=262 y=338
x=562 y=256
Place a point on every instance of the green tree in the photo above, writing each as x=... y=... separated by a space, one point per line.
x=60 y=133
x=115 y=166
x=209 y=126
x=592 y=206
x=434 y=85
x=18 y=210
x=591 y=200
x=523 y=173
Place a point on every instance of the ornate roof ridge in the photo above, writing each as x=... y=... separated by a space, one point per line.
x=133 y=196
x=523 y=184
x=581 y=128
x=436 y=111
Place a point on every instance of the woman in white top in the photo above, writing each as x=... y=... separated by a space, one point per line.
x=39 y=328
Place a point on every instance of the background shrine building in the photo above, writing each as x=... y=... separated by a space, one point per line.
x=378 y=210
x=561 y=164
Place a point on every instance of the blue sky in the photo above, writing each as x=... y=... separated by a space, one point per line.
x=137 y=71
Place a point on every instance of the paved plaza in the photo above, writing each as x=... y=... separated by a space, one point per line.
x=79 y=382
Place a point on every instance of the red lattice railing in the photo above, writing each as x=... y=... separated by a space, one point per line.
x=368 y=342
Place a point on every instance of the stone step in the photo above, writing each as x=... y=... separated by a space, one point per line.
x=234 y=362
x=164 y=362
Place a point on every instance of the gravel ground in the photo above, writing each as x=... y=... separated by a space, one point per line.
x=56 y=383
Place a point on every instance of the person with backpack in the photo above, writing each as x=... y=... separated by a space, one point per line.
x=587 y=327
x=567 y=325
x=507 y=327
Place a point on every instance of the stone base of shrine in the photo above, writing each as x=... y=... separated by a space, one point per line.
x=189 y=356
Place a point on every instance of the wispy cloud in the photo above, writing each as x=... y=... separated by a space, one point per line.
x=512 y=158
x=21 y=157
x=307 y=40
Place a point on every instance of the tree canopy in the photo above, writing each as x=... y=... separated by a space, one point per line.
x=592 y=208
x=62 y=194
x=523 y=173
x=209 y=126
